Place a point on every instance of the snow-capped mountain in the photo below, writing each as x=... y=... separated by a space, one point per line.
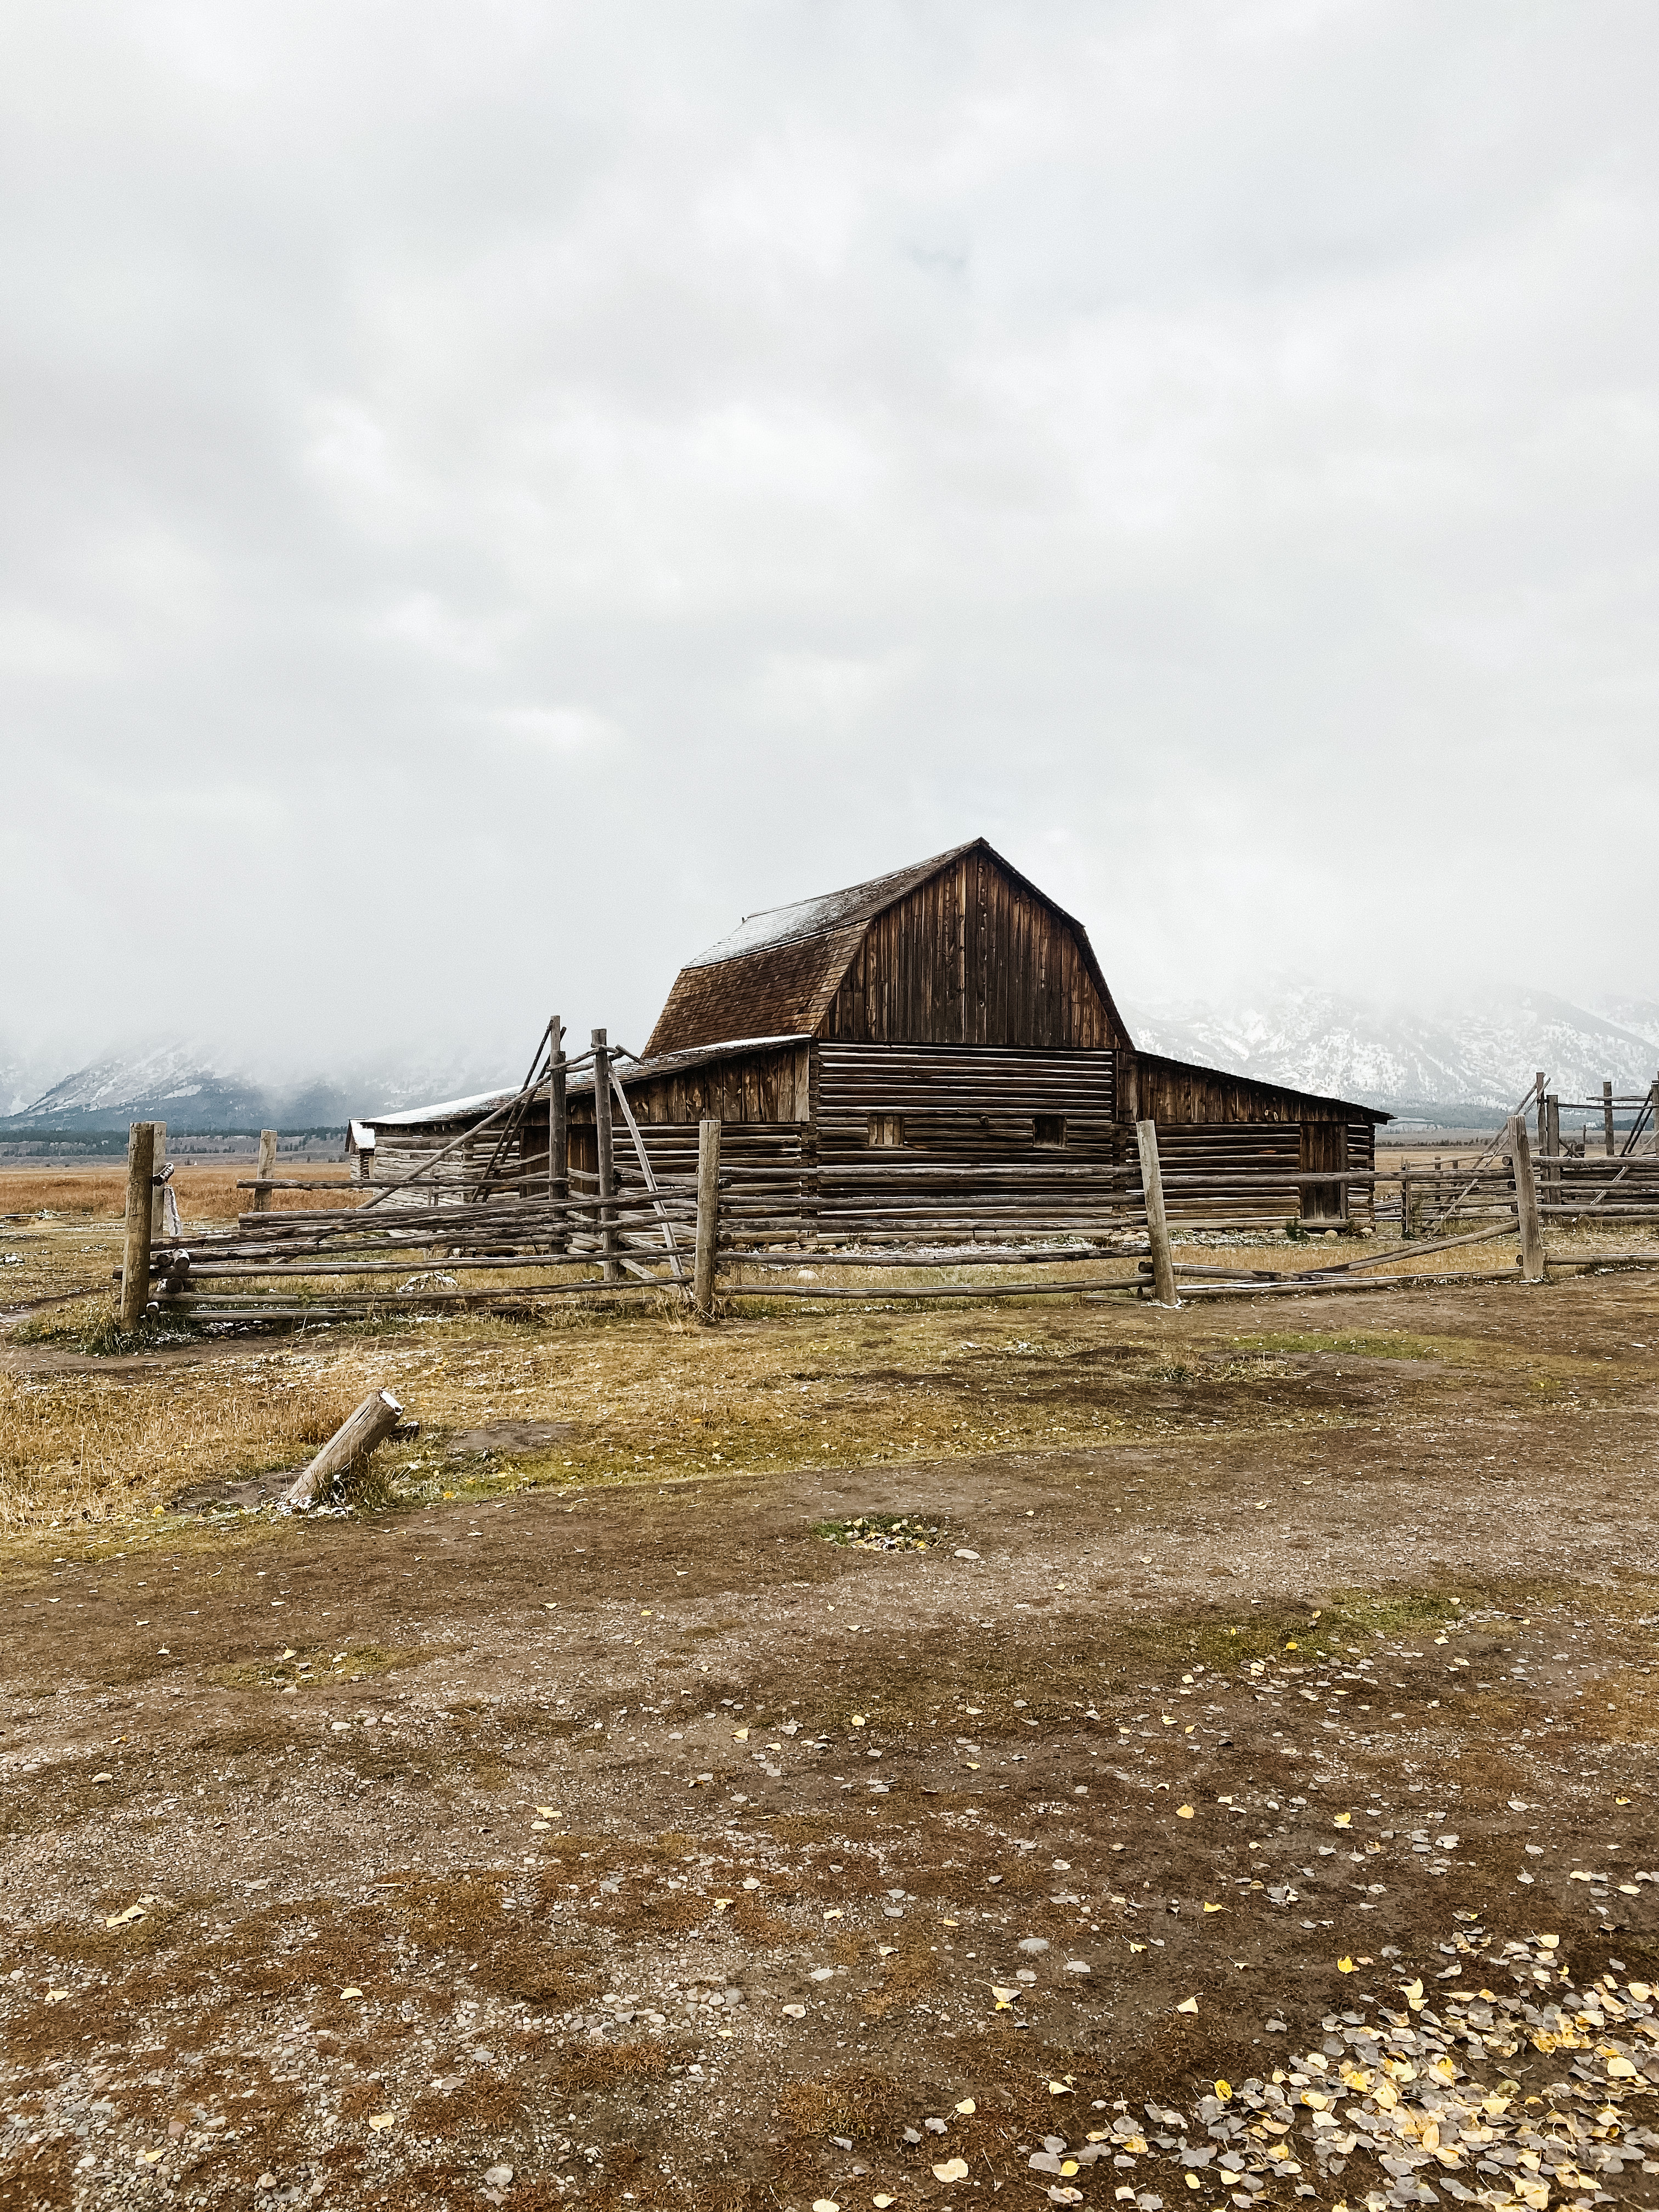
x=193 y=1088
x=1477 y=1060
x=21 y=1079
x=1467 y=1066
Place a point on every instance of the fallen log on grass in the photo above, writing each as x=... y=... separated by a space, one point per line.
x=353 y=1440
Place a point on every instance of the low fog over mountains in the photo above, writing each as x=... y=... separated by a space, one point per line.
x=1462 y=1066
x=1470 y=1065
x=193 y=1088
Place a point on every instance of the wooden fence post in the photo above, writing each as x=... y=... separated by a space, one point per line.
x=158 y=1190
x=1405 y=1198
x=266 y=1168
x=353 y=1440
x=1606 y=1117
x=1653 y=1100
x=1526 y=1202
x=1158 y=1227
x=607 y=1172
x=708 y=1210
x=1537 y=1083
x=135 y=1257
x=1553 y=1146
x=559 y=1132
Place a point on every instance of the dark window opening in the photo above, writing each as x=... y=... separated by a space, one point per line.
x=1049 y=1129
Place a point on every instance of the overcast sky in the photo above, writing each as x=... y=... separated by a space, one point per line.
x=493 y=493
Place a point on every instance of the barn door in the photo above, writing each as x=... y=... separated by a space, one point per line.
x=1324 y=1145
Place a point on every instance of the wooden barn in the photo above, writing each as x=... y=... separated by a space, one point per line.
x=935 y=1050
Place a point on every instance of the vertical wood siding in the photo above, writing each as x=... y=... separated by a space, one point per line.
x=969 y=958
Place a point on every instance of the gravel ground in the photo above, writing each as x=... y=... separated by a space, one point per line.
x=1228 y=1810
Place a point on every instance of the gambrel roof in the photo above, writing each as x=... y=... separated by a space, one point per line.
x=782 y=972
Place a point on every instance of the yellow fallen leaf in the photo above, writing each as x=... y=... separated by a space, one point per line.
x=1620 y=2070
x=1136 y=1946
x=1342 y=1820
x=825 y=2205
x=858 y=1720
x=1003 y=1997
x=150 y=2157
x=951 y=2169
x=885 y=1950
x=55 y=1996
x=1056 y=2089
x=1344 y=1965
x=881 y=2203
x=1215 y=1908
x=380 y=2121
x=1413 y=1993
x=739 y=1735
x=1188 y=2004
x=1224 y=2090
x=1183 y=1812
x=967 y=2105
x=723 y=1903
x=352 y=1990
x=547 y=1813
x=122 y=1919
x=834 y=1913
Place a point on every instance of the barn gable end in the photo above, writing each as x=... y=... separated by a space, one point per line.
x=960 y=950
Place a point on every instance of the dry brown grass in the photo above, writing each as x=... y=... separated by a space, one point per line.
x=641 y=1394
x=206 y=1194
x=79 y=1449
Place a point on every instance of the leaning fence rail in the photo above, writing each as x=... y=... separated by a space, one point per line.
x=502 y=1198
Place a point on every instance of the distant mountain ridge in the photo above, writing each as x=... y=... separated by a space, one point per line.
x=1464 y=1066
x=190 y=1088
x=1472 y=1063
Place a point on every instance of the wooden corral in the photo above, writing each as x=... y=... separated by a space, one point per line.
x=932 y=1052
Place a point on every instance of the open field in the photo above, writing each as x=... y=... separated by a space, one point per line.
x=1255 y=1771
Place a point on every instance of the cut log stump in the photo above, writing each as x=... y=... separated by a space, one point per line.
x=351 y=1443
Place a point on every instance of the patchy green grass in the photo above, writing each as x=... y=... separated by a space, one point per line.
x=318 y=1665
x=1360 y=1345
x=882 y=1532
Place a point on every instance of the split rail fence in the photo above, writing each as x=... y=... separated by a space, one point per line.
x=735 y=1228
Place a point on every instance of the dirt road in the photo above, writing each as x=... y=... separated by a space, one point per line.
x=1218 y=1811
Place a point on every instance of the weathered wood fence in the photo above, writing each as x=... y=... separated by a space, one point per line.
x=1617 y=1181
x=490 y=1203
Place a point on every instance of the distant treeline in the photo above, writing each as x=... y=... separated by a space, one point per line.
x=193 y=1143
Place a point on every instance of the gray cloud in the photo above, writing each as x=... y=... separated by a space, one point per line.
x=495 y=493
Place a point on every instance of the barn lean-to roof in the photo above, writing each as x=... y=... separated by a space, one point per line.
x=778 y=972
